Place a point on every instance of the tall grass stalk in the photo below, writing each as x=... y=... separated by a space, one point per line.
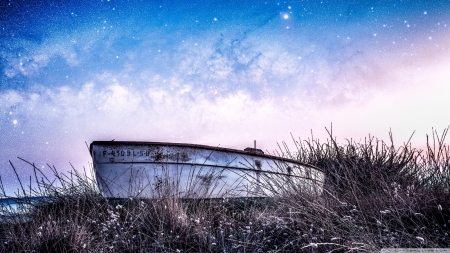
x=375 y=195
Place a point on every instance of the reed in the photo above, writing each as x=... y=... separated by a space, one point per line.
x=375 y=195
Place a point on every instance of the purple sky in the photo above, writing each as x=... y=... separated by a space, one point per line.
x=216 y=73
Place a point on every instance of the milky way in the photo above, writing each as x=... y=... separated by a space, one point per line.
x=216 y=73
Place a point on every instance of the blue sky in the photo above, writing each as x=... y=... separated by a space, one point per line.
x=216 y=73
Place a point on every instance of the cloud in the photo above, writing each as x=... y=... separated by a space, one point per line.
x=54 y=123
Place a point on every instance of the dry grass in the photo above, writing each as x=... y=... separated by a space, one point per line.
x=375 y=196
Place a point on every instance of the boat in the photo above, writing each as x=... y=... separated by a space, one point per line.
x=149 y=170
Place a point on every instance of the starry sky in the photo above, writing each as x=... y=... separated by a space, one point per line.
x=220 y=73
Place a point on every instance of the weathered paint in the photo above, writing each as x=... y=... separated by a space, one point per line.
x=153 y=170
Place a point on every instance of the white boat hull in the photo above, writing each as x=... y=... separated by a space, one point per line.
x=156 y=170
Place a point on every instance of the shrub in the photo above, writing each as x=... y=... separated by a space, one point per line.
x=375 y=196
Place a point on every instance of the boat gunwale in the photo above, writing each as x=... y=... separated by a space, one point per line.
x=200 y=146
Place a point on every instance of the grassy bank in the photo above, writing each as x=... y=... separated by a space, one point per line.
x=376 y=195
